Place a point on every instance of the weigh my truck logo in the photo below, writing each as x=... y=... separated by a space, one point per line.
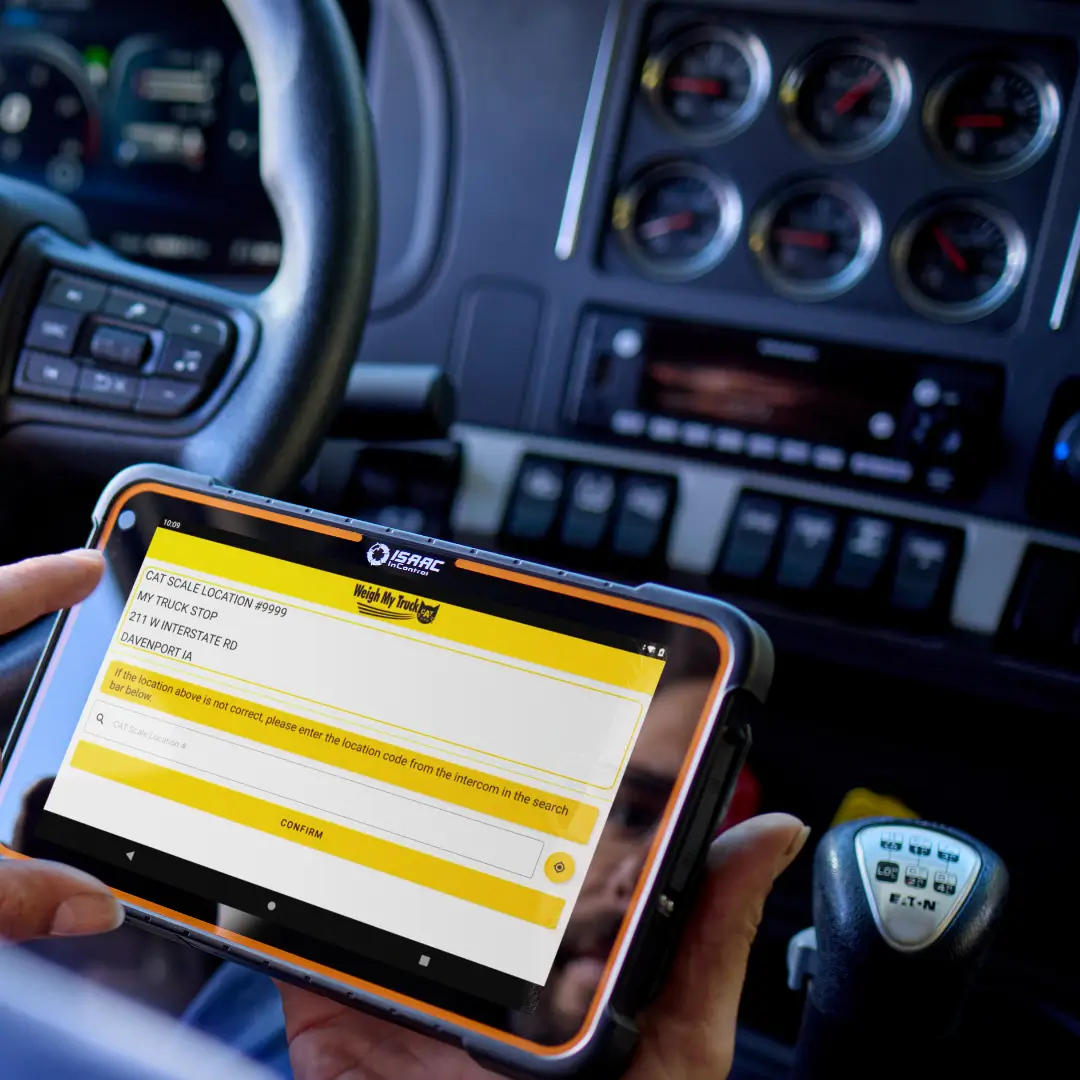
x=389 y=604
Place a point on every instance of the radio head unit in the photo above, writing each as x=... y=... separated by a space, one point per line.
x=885 y=418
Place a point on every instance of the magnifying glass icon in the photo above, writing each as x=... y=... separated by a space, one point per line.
x=100 y=718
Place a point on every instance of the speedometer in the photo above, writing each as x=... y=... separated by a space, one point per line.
x=48 y=118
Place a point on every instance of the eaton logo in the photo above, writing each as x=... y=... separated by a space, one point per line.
x=380 y=554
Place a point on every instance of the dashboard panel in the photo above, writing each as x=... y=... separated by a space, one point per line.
x=891 y=170
x=147 y=116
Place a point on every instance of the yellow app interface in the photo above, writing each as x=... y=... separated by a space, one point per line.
x=440 y=773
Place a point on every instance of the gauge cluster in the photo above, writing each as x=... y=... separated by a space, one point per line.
x=146 y=115
x=883 y=170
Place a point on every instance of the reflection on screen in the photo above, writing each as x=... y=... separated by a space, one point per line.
x=439 y=773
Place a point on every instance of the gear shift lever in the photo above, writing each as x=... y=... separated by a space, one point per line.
x=903 y=914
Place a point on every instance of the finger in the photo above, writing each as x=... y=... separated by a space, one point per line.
x=42 y=899
x=694 y=1020
x=36 y=587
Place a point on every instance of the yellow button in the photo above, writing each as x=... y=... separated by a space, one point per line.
x=559 y=867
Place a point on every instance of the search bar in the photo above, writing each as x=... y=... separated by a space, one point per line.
x=408 y=820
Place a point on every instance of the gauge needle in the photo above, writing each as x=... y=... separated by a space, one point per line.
x=688 y=84
x=661 y=226
x=952 y=252
x=857 y=92
x=981 y=120
x=804 y=238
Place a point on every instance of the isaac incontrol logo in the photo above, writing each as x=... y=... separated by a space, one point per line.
x=379 y=554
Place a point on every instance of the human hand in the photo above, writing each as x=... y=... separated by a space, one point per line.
x=687 y=1034
x=39 y=899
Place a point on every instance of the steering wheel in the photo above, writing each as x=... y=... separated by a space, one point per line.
x=104 y=363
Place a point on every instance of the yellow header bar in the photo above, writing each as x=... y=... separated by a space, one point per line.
x=571 y=655
x=429 y=871
x=341 y=748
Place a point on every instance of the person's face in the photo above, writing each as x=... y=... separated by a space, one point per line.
x=621 y=852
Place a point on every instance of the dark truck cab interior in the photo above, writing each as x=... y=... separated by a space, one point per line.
x=773 y=301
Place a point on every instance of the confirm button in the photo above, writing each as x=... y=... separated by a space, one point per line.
x=559 y=867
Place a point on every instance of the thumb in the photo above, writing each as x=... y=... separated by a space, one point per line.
x=39 y=899
x=693 y=1022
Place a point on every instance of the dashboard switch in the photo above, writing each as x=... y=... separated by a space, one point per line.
x=536 y=499
x=752 y=538
x=645 y=509
x=166 y=397
x=866 y=546
x=924 y=559
x=46 y=376
x=588 y=510
x=111 y=345
x=187 y=359
x=135 y=307
x=54 y=329
x=109 y=389
x=197 y=325
x=76 y=293
x=1044 y=607
x=808 y=540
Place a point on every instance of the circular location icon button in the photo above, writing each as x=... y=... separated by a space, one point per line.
x=559 y=867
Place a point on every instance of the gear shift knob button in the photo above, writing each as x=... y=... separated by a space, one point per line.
x=915 y=881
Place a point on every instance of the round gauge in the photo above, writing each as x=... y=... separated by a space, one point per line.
x=959 y=260
x=993 y=118
x=845 y=100
x=708 y=84
x=816 y=239
x=678 y=220
x=48 y=120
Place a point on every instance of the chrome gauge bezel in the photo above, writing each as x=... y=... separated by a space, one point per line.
x=752 y=50
x=1016 y=248
x=870 y=234
x=1049 y=118
x=728 y=201
x=794 y=80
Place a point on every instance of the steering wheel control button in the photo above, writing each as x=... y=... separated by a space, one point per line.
x=54 y=329
x=535 y=504
x=641 y=521
x=109 y=389
x=76 y=293
x=752 y=538
x=185 y=358
x=909 y=914
x=808 y=540
x=135 y=307
x=111 y=345
x=588 y=512
x=866 y=547
x=166 y=397
x=197 y=325
x=923 y=565
x=46 y=376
